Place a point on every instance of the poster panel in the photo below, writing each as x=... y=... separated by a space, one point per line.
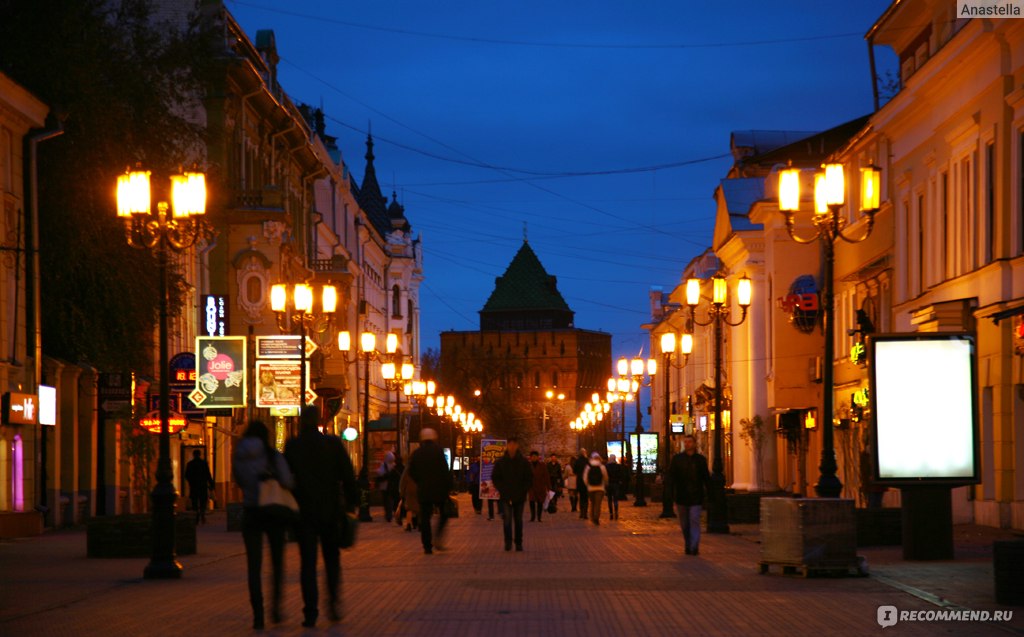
x=221 y=372
x=922 y=393
x=490 y=450
x=278 y=383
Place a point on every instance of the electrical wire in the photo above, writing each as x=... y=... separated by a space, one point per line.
x=551 y=44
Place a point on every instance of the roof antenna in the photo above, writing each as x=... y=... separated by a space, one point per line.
x=524 y=232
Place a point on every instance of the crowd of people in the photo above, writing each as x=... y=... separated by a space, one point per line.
x=316 y=469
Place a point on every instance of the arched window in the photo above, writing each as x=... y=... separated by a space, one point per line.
x=554 y=378
x=536 y=380
x=396 y=302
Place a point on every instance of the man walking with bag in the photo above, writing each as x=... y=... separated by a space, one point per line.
x=323 y=472
x=429 y=470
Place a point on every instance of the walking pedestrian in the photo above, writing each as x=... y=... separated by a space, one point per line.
x=617 y=476
x=579 y=465
x=689 y=474
x=539 y=487
x=200 y=481
x=570 y=486
x=255 y=460
x=513 y=478
x=557 y=483
x=474 y=486
x=595 y=476
x=429 y=470
x=323 y=475
x=386 y=481
x=395 y=489
x=410 y=501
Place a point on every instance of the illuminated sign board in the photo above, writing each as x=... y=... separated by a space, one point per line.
x=283 y=347
x=47 y=405
x=220 y=372
x=182 y=370
x=278 y=382
x=20 y=409
x=151 y=422
x=213 y=314
x=924 y=412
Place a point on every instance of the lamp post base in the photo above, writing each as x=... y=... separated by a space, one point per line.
x=163 y=563
x=364 y=499
x=828 y=486
x=668 y=509
x=718 y=517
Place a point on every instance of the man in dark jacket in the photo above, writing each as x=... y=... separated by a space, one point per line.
x=200 y=481
x=429 y=470
x=323 y=471
x=512 y=478
x=689 y=475
x=579 y=465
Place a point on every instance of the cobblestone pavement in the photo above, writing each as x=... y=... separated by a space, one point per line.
x=628 y=577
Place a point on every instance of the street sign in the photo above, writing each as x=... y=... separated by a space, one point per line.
x=20 y=409
x=110 y=406
x=278 y=347
x=286 y=346
x=310 y=396
x=173 y=402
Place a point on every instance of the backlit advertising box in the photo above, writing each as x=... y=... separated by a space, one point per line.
x=924 y=408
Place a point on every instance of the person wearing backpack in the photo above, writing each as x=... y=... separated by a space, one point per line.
x=595 y=477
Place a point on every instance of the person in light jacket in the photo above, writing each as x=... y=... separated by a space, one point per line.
x=255 y=460
x=570 y=485
x=595 y=477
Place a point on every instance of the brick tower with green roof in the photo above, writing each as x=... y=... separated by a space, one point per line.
x=528 y=347
x=526 y=297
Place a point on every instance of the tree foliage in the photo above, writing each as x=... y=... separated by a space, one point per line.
x=126 y=86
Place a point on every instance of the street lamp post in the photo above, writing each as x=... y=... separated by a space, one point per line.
x=718 y=314
x=421 y=393
x=302 y=301
x=395 y=376
x=368 y=350
x=544 y=417
x=668 y=348
x=829 y=199
x=176 y=231
x=633 y=372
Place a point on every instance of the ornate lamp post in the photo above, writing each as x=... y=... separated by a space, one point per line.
x=302 y=303
x=395 y=377
x=544 y=417
x=829 y=199
x=668 y=348
x=633 y=371
x=421 y=393
x=718 y=314
x=368 y=350
x=175 y=231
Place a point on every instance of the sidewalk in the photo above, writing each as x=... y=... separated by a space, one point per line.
x=622 y=578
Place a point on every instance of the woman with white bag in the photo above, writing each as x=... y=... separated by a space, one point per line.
x=254 y=463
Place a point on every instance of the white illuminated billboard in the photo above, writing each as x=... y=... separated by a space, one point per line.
x=924 y=411
x=47 y=405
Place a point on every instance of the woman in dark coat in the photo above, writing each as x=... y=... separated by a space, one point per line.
x=540 y=486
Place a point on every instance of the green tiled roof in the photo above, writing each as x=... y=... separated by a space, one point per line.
x=526 y=285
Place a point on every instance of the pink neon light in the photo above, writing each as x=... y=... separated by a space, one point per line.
x=19 y=474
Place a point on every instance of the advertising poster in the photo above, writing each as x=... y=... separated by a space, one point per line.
x=648 y=446
x=277 y=383
x=919 y=437
x=220 y=366
x=490 y=451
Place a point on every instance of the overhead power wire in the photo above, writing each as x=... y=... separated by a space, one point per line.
x=552 y=43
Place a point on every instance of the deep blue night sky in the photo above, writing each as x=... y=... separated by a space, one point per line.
x=502 y=89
